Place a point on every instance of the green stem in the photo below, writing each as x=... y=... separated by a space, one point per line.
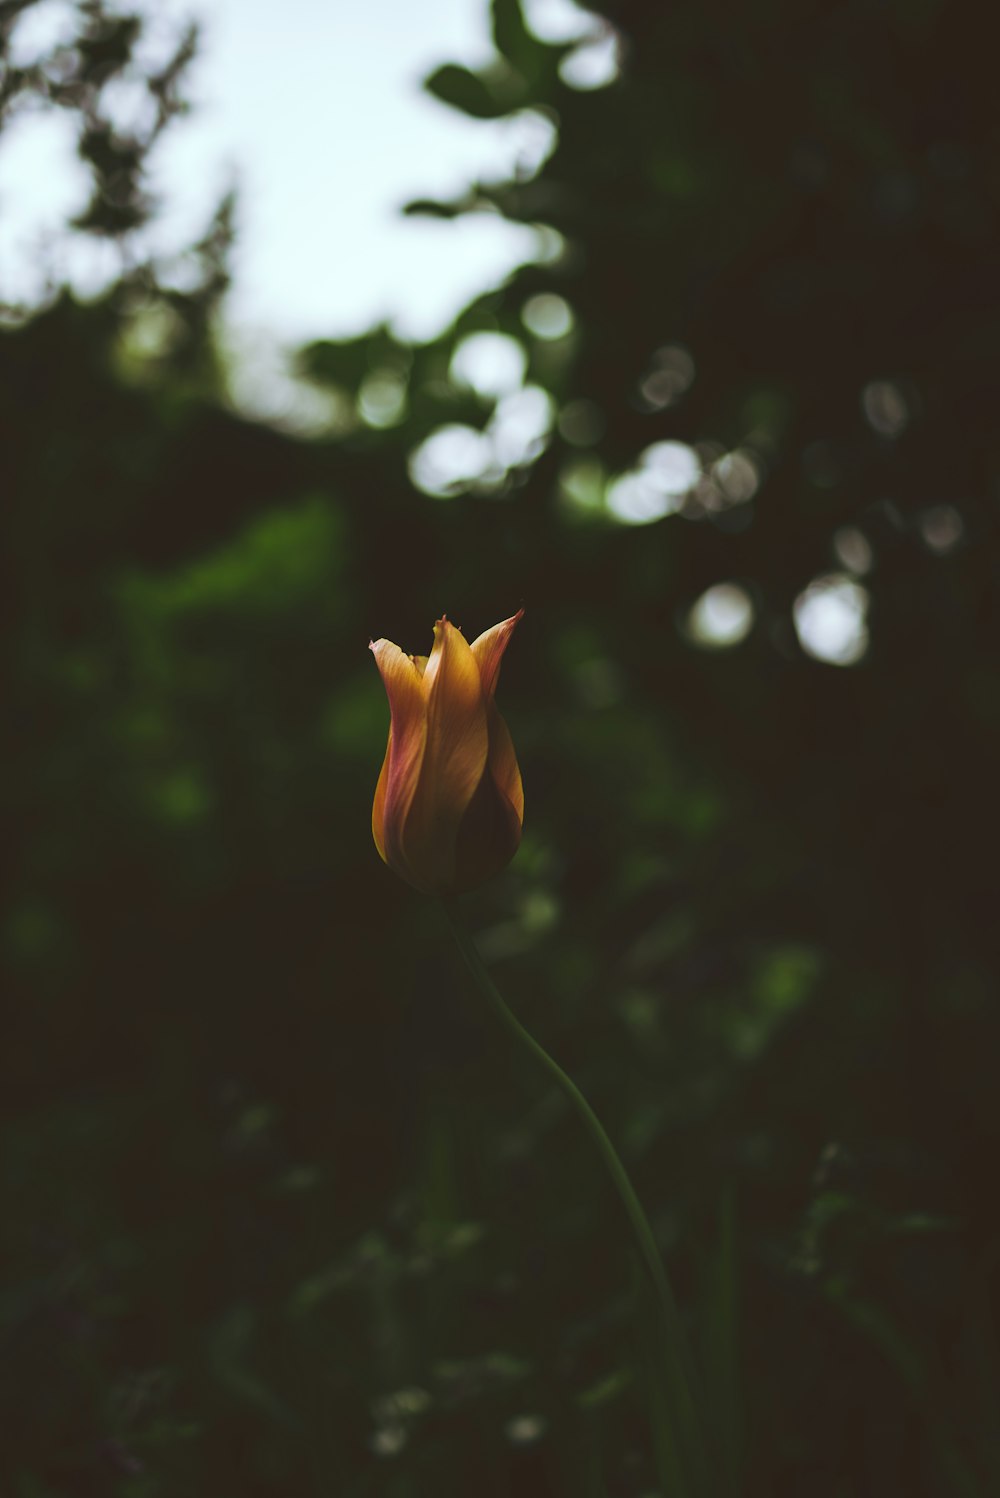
x=684 y=1414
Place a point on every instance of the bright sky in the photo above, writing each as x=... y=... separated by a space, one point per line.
x=314 y=108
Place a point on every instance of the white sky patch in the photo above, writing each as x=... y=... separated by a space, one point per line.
x=316 y=111
x=42 y=184
x=559 y=20
x=51 y=23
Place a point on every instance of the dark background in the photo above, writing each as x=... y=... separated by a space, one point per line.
x=281 y=1212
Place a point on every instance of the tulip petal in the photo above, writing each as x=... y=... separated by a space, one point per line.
x=488 y=650
x=378 y=805
x=503 y=764
x=404 y=754
x=488 y=837
x=454 y=759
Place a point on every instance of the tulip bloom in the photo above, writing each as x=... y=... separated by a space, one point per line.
x=448 y=805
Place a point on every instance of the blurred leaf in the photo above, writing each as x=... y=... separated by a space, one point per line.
x=513 y=40
x=486 y=95
x=231 y=1352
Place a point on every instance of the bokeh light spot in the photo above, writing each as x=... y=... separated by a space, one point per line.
x=582 y=486
x=491 y=364
x=521 y=424
x=550 y=245
x=450 y=460
x=525 y=1430
x=547 y=315
x=942 y=528
x=595 y=63
x=635 y=499
x=670 y=375
x=672 y=467
x=885 y=408
x=382 y=398
x=831 y=619
x=852 y=550
x=721 y=617
x=389 y=1440
x=736 y=476
x=532 y=137
x=667 y=471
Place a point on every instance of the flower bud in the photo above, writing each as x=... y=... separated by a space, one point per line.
x=448 y=805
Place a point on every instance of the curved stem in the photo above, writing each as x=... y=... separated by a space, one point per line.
x=677 y=1365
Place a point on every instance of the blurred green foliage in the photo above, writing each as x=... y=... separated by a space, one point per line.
x=281 y=1214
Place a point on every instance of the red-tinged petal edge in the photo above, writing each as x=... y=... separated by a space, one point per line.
x=401 y=769
x=378 y=805
x=488 y=650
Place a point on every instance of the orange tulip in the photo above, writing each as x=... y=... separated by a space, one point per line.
x=448 y=804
